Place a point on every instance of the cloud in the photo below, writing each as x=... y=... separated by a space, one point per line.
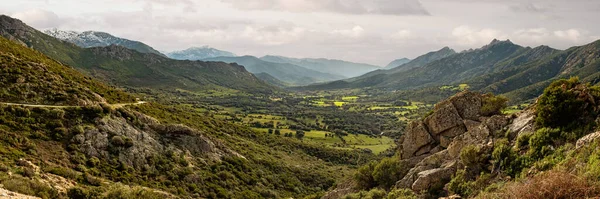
x=527 y=7
x=468 y=36
x=570 y=34
x=39 y=18
x=382 y=7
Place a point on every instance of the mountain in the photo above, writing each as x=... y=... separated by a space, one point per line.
x=201 y=53
x=376 y=77
x=396 y=63
x=331 y=66
x=89 y=39
x=289 y=73
x=125 y=67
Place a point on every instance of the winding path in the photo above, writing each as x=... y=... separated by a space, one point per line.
x=120 y=105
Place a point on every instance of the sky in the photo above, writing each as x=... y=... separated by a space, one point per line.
x=366 y=31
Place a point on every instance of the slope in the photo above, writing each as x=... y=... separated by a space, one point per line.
x=126 y=67
x=396 y=63
x=89 y=39
x=30 y=77
x=150 y=151
x=289 y=73
x=331 y=66
x=375 y=77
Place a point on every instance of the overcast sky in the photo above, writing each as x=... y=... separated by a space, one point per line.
x=369 y=31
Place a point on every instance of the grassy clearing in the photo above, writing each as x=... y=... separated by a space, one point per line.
x=350 y=98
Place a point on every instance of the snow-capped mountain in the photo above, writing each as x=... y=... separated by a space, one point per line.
x=90 y=39
x=199 y=53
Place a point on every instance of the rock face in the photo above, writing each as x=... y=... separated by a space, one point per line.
x=436 y=142
x=450 y=119
x=133 y=145
x=588 y=139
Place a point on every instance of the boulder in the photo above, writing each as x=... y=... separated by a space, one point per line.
x=468 y=104
x=415 y=138
x=523 y=123
x=477 y=136
x=432 y=177
x=588 y=139
x=496 y=123
x=443 y=118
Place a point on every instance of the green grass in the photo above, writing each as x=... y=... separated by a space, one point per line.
x=349 y=98
x=338 y=104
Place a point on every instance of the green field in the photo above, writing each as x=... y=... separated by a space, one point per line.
x=375 y=144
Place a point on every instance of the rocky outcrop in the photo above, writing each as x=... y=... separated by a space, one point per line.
x=134 y=143
x=450 y=119
x=438 y=139
x=588 y=139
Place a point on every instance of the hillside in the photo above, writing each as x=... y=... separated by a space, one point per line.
x=30 y=77
x=466 y=148
x=126 y=67
x=396 y=63
x=331 y=66
x=376 y=77
x=289 y=73
x=199 y=53
x=148 y=150
x=90 y=39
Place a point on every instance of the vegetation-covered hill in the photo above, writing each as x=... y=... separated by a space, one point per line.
x=126 y=67
x=330 y=66
x=289 y=73
x=396 y=63
x=145 y=151
x=467 y=148
x=27 y=76
x=89 y=39
x=199 y=53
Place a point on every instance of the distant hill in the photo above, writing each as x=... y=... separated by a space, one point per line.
x=289 y=73
x=89 y=39
x=331 y=66
x=375 y=77
x=125 y=67
x=271 y=80
x=396 y=63
x=199 y=53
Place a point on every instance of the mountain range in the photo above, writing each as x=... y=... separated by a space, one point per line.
x=289 y=73
x=500 y=67
x=89 y=39
x=125 y=67
x=331 y=66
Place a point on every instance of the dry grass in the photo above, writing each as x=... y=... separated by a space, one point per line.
x=549 y=185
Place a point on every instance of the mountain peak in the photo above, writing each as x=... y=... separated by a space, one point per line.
x=496 y=41
x=199 y=53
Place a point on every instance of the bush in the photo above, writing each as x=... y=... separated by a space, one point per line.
x=563 y=105
x=372 y=194
x=388 y=172
x=473 y=158
x=493 y=105
x=542 y=141
x=401 y=194
x=364 y=176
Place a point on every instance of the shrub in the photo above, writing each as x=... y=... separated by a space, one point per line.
x=364 y=176
x=563 y=105
x=472 y=157
x=493 y=105
x=388 y=172
x=540 y=143
x=462 y=186
x=372 y=194
x=401 y=194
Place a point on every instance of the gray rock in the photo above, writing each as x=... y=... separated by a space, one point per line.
x=415 y=138
x=588 y=139
x=443 y=118
x=468 y=104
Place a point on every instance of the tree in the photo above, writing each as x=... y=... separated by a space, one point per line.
x=300 y=134
x=277 y=132
x=270 y=131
